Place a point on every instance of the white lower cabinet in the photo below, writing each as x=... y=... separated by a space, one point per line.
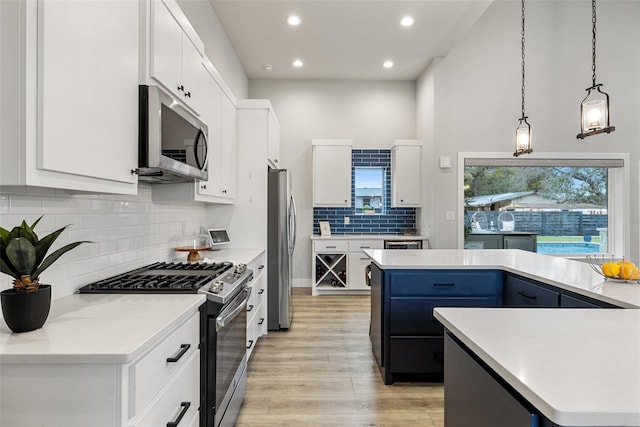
x=149 y=392
x=338 y=265
x=257 y=304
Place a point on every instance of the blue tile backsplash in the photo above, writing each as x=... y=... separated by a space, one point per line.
x=394 y=221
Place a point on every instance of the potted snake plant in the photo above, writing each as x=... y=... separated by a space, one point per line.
x=23 y=256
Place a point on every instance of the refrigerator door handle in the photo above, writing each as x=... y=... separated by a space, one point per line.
x=293 y=211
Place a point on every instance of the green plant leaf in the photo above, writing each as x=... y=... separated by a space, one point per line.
x=22 y=255
x=4 y=236
x=42 y=246
x=53 y=257
x=6 y=269
x=36 y=222
x=25 y=232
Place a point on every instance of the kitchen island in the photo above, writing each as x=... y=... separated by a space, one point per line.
x=408 y=342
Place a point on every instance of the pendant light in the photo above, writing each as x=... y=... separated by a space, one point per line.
x=594 y=110
x=523 y=131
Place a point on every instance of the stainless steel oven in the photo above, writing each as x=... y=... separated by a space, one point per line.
x=226 y=373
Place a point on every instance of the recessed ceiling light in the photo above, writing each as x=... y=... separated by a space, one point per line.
x=298 y=63
x=293 y=20
x=407 y=21
x=387 y=64
x=267 y=67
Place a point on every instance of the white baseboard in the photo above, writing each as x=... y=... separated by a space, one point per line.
x=301 y=283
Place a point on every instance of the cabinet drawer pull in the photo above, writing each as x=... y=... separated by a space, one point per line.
x=183 y=349
x=261 y=321
x=181 y=88
x=331 y=247
x=185 y=407
x=250 y=344
x=365 y=247
x=261 y=291
x=249 y=308
x=261 y=267
x=524 y=294
x=444 y=284
x=364 y=259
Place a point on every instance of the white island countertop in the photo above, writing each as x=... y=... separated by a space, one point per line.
x=84 y=328
x=571 y=275
x=577 y=367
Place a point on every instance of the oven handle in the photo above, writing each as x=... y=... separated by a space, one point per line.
x=231 y=311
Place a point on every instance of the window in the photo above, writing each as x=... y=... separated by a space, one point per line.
x=573 y=205
x=369 y=190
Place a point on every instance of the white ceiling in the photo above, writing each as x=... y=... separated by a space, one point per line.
x=343 y=39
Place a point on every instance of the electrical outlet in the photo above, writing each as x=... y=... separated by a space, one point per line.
x=346 y=220
x=450 y=216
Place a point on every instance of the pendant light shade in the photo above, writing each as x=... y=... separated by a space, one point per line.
x=523 y=137
x=523 y=131
x=594 y=109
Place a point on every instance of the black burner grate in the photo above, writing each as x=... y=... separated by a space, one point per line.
x=161 y=277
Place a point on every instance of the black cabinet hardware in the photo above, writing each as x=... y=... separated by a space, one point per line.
x=524 y=294
x=185 y=407
x=183 y=349
x=249 y=308
x=181 y=88
x=261 y=321
x=444 y=284
x=261 y=291
x=250 y=344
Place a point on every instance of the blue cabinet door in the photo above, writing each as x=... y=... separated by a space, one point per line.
x=521 y=292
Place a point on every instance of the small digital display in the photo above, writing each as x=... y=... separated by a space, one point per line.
x=219 y=236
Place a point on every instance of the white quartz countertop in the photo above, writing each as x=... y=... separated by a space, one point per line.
x=367 y=237
x=572 y=275
x=235 y=255
x=113 y=328
x=577 y=367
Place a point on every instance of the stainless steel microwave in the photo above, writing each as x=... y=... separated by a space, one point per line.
x=172 y=142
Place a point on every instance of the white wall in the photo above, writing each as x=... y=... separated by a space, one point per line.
x=477 y=90
x=217 y=46
x=127 y=232
x=371 y=113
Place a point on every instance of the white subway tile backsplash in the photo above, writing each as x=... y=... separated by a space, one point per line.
x=127 y=231
x=24 y=205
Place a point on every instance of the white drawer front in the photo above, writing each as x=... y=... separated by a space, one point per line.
x=184 y=387
x=258 y=264
x=331 y=246
x=150 y=374
x=360 y=245
x=260 y=288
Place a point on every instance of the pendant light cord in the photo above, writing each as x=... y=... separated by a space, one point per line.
x=522 y=43
x=593 y=40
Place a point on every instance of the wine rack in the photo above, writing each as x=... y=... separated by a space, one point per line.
x=331 y=270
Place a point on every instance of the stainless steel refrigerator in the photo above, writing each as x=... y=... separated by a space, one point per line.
x=281 y=238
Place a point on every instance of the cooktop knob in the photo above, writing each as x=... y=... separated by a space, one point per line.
x=240 y=268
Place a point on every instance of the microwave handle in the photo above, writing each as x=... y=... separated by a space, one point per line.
x=206 y=148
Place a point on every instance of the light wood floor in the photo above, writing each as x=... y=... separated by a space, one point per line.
x=322 y=373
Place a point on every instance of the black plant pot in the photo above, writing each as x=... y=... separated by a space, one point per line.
x=24 y=312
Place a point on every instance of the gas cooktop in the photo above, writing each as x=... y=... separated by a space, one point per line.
x=161 y=277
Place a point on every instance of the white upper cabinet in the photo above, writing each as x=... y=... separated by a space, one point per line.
x=176 y=62
x=227 y=161
x=406 y=173
x=69 y=96
x=273 y=144
x=331 y=173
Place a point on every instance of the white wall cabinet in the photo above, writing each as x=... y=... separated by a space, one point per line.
x=273 y=143
x=69 y=102
x=147 y=392
x=248 y=225
x=331 y=173
x=176 y=62
x=406 y=173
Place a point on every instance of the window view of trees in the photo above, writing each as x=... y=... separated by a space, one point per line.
x=565 y=206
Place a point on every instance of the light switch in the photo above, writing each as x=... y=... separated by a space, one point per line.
x=445 y=162
x=450 y=216
x=346 y=220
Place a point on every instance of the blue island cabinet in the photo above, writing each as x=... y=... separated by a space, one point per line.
x=407 y=341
